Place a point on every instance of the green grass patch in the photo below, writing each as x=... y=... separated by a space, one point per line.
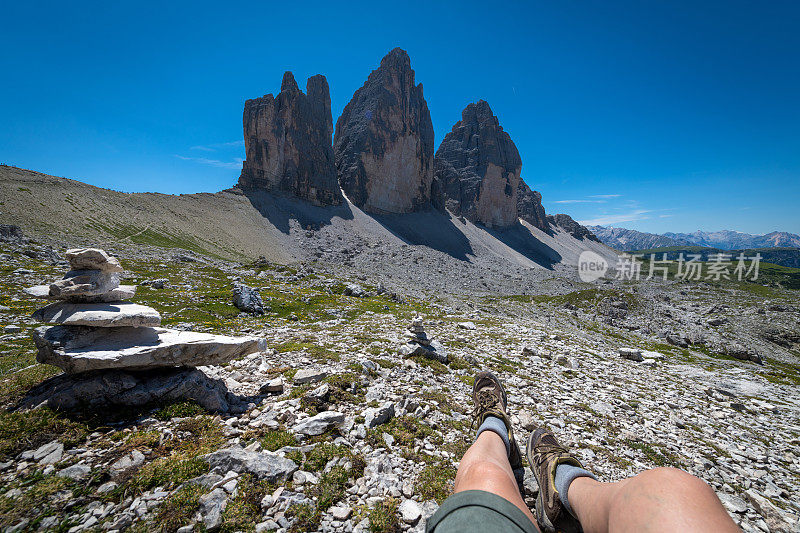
x=244 y=511
x=25 y=430
x=384 y=518
x=179 y=508
x=179 y=410
x=435 y=366
x=275 y=439
x=36 y=501
x=436 y=481
x=656 y=454
x=346 y=387
x=405 y=430
x=166 y=472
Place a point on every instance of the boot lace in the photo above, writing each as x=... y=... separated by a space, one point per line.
x=487 y=402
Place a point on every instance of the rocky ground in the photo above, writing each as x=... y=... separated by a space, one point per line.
x=333 y=430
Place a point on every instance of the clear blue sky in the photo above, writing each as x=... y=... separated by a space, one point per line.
x=659 y=116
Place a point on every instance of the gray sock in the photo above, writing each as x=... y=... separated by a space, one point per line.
x=566 y=474
x=492 y=423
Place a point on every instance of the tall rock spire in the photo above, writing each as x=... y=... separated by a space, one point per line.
x=478 y=169
x=384 y=141
x=288 y=142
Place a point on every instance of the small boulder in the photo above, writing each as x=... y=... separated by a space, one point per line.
x=247 y=299
x=264 y=465
x=376 y=416
x=47 y=454
x=76 y=472
x=128 y=462
x=353 y=289
x=340 y=512
x=319 y=423
x=319 y=395
x=212 y=506
x=410 y=512
x=309 y=375
x=632 y=354
x=273 y=386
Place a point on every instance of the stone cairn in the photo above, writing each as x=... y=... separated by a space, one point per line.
x=113 y=351
x=418 y=343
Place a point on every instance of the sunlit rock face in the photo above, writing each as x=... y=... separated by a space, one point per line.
x=384 y=141
x=288 y=142
x=477 y=169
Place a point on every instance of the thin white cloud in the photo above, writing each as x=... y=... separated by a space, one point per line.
x=590 y=199
x=217 y=146
x=579 y=202
x=638 y=214
x=235 y=163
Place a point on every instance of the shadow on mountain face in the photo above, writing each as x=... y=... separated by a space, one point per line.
x=430 y=228
x=520 y=239
x=280 y=209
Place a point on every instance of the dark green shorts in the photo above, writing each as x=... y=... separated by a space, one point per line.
x=478 y=510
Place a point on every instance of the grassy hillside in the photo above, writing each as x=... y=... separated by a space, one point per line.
x=769 y=274
x=787 y=257
x=223 y=224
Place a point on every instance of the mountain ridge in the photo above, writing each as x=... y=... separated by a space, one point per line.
x=629 y=240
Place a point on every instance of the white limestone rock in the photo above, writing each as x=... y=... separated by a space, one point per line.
x=309 y=375
x=80 y=349
x=122 y=292
x=104 y=315
x=410 y=512
x=319 y=424
x=631 y=354
x=263 y=465
x=92 y=259
x=78 y=283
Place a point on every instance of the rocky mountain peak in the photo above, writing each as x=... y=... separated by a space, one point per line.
x=288 y=83
x=569 y=225
x=288 y=142
x=477 y=169
x=384 y=141
x=396 y=59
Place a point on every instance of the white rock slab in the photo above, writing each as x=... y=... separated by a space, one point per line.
x=84 y=283
x=123 y=292
x=309 y=375
x=104 y=315
x=92 y=259
x=80 y=349
x=319 y=423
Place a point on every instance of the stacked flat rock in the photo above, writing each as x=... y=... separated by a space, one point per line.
x=416 y=333
x=418 y=343
x=97 y=329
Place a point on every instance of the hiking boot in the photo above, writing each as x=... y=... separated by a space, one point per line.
x=490 y=399
x=544 y=454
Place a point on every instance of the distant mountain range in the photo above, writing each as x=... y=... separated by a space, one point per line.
x=629 y=240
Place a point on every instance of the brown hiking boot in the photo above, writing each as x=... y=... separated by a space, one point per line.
x=544 y=454
x=490 y=399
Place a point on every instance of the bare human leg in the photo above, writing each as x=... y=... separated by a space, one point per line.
x=662 y=499
x=485 y=467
